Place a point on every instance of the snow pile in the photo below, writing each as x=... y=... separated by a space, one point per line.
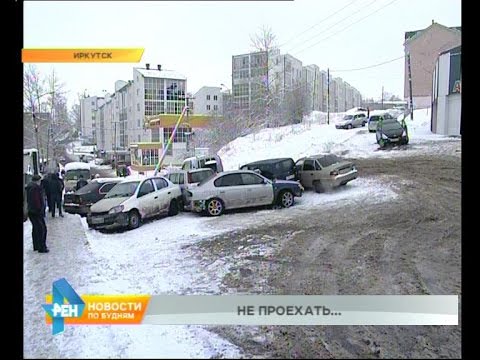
x=313 y=136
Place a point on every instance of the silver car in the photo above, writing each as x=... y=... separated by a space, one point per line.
x=241 y=188
x=350 y=121
x=131 y=201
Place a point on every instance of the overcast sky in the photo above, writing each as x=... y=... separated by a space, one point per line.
x=198 y=38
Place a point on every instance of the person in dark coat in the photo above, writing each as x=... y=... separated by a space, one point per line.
x=45 y=183
x=81 y=183
x=56 y=191
x=36 y=214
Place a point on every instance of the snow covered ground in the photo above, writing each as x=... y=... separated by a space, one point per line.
x=314 y=136
x=157 y=258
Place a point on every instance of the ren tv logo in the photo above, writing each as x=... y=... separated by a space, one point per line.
x=58 y=310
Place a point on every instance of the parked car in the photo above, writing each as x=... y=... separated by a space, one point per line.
x=188 y=179
x=350 y=121
x=375 y=117
x=239 y=189
x=280 y=169
x=80 y=201
x=392 y=132
x=325 y=171
x=73 y=170
x=201 y=162
x=133 y=200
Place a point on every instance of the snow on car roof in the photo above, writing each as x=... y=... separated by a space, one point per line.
x=104 y=180
x=77 y=166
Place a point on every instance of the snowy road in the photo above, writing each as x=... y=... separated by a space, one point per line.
x=153 y=259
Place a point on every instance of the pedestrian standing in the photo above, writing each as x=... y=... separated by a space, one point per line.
x=81 y=183
x=36 y=214
x=56 y=191
x=45 y=183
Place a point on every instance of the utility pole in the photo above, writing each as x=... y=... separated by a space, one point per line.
x=410 y=85
x=382 y=99
x=115 y=142
x=328 y=95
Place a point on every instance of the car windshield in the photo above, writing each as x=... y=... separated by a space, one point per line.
x=200 y=176
x=75 y=174
x=329 y=160
x=348 y=117
x=391 y=125
x=126 y=189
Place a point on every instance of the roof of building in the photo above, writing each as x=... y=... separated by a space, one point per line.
x=410 y=35
x=163 y=74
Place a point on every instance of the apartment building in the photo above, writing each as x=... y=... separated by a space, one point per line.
x=208 y=100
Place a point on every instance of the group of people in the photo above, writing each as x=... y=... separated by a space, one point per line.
x=53 y=185
x=40 y=194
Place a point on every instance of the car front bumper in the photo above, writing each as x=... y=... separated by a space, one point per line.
x=105 y=221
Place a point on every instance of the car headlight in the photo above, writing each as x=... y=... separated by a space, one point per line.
x=385 y=137
x=116 y=209
x=404 y=133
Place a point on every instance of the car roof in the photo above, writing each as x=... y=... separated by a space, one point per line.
x=267 y=161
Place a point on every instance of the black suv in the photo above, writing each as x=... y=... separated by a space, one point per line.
x=274 y=169
x=80 y=201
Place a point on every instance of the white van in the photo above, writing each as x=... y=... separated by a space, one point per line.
x=199 y=162
x=73 y=170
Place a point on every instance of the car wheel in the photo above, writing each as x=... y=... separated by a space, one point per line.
x=215 y=207
x=173 y=208
x=363 y=123
x=318 y=187
x=286 y=199
x=349 y=126
x=133 y=219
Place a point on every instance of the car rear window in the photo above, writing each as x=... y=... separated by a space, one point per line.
x=90 y=187
x=328 y=160
x=199 y=176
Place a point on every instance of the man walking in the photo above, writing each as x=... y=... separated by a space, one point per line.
x=36 y=214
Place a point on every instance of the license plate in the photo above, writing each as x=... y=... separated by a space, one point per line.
x=394 y=140
x=98 y=220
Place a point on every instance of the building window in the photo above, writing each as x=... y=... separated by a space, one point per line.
x=93 y=103
x=208 y=107
x=208 y=97
x=215 y=97
x=138 y=106
x=138 y=138
x=215 y=107
x=138 y=122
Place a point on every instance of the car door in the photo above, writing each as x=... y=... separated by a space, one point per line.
x=258 y=191
x=308 y=173
x=164 y=195
x=147 y=199
x=231 y=190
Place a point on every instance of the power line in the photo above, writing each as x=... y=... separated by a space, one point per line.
x=311 y=27
x=371 y=66
x=345 y=28
x=338 y=22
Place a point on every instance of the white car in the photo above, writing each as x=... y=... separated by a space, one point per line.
x=239 y=189
x=133 y=200
x=375 y=117
x=350 y=121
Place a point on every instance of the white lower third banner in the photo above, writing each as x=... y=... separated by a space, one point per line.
x=303 y=310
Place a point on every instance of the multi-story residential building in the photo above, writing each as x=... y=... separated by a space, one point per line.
x=424 y=46
x=88 y=109
x=252 y=79
x=285 y=73
x=208 y=100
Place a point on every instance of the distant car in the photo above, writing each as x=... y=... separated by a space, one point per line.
x=80 y=201
x=134 y=199
x=325 y=171
x=240 y=189
x=392 y=132
x=375 y=118
x=280 y=169
x=73 y=170
x=200 y=162
x=188 y=179
x=350 y=121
